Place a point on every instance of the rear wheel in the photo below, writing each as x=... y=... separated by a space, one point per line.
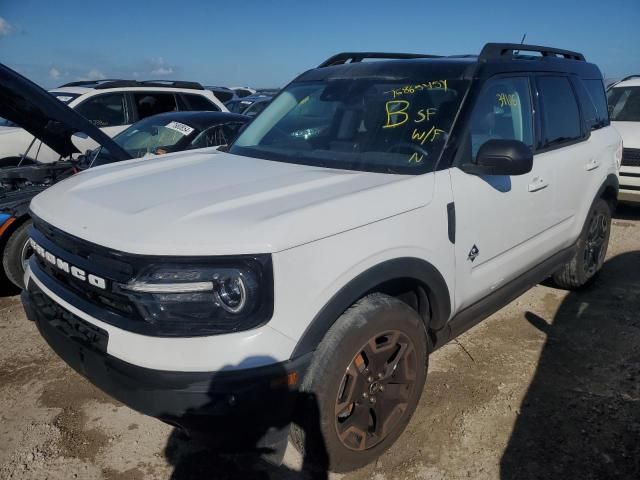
x=366 y=379
x=16 y=255
x=591 y=248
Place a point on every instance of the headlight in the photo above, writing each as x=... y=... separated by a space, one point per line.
x=190 y=300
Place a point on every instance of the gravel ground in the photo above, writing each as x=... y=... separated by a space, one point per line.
x=549 y=387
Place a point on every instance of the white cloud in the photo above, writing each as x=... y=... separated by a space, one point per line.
x=5 y=27
x=160 y=67
x=54 y=73
x=93 y=74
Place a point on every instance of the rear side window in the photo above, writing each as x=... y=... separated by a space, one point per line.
x=198 y=102
x=624 y=104
x=104 y=110
x=560 y=113
x=599 y=99
x=152 y=103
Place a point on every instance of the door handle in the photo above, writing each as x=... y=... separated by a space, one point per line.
x=592 y=165
x=537 y=184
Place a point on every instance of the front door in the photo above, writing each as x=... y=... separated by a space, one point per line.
x=499 y=218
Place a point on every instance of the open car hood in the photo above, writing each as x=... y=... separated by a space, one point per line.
x=47 y=118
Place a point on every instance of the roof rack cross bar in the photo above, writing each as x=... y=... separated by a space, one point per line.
x=494 y=51
x=119 y=83
x=354 y=57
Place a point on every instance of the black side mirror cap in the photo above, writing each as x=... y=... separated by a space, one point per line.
x=501 y=157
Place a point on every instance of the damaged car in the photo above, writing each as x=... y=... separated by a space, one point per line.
x=62 y=130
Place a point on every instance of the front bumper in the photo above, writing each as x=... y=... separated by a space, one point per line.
x=255 y=403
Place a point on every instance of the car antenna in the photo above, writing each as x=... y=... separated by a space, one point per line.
x=516 y=52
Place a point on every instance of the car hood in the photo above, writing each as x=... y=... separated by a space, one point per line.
x=630 y=133
x=221 y=204
x=45 y=117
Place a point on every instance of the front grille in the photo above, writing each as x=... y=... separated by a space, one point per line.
x=87 y=256
x=631 y=157
x=66 y=322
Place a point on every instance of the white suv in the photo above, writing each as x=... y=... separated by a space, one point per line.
x=624 y=108
x=371 y=213
x=111 y=105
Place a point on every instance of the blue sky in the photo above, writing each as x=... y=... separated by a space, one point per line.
x=266 y=44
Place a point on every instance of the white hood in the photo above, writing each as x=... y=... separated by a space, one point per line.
x=221 y=204
x=630 y=133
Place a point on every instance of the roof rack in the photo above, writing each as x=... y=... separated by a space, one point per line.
x=117 y=83
x=354 y=57
x=494 y=51
x=85 y=83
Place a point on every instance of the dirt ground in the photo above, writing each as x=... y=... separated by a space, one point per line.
x=549 y=387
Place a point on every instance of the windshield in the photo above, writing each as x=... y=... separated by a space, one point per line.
x=149 y=137
x=371 y=123
x=624 y=104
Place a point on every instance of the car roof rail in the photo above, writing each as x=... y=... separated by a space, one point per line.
x=90 y=83
x=354 y=57
x=495 y=51
x=149 y=83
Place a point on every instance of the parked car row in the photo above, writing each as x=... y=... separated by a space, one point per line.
x=296 y=283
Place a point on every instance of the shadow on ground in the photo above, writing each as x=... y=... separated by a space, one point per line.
x=627 y=211
x=580 y=418
x=246 y=439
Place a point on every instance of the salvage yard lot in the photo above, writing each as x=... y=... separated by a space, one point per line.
x=548 y=387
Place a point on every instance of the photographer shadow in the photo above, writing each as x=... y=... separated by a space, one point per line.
x=249 y=439
x=580 y=417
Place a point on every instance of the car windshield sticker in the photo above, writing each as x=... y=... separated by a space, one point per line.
x=180 y=127
x=64 y=99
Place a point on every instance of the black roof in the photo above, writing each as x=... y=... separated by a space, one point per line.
x=202 y=120
x=493 y=59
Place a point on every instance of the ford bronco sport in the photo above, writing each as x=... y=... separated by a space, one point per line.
x=371 y=213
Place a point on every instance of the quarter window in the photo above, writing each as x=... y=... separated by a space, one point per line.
x=560 y=112
x=104 y=110
x=198 y=102
x=152 y=103
x=596 y=92
x=503 y=111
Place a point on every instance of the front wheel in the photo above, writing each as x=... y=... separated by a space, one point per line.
x=365 y=380
x=16 y=255
x=591 y=249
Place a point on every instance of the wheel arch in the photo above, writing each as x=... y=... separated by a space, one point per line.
x=609 y=190
x=413 y=280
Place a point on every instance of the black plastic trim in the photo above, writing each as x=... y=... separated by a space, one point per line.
x=451 y=222
x=400 y=268
x=474 y=314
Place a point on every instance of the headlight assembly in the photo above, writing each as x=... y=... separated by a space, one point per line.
x=193 y=300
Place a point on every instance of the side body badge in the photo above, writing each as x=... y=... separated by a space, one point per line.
x=473 y=253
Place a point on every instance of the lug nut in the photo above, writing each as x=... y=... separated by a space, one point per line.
x=372 y=399
x=365 y=395
x=369 y=379
x=381 y=388
x=379 y=375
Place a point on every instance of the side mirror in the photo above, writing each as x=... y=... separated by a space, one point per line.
x=501 y=157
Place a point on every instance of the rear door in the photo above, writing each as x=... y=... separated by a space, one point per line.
x=565 y=148
x=107 y=111
x=499 y=218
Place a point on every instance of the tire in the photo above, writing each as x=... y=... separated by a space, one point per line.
x=342 y=388
x=591 y=249
x=16 y=251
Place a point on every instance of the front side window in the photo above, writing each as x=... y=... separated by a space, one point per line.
x=390 y=123
x=624 y=104
x=502 y=112
x=108 y=110
x=152 y=103
x=560 y=113
x=217 y=135
x=255 y=109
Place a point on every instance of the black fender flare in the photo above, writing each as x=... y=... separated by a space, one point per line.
x=611 y=181
x=409 y=268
